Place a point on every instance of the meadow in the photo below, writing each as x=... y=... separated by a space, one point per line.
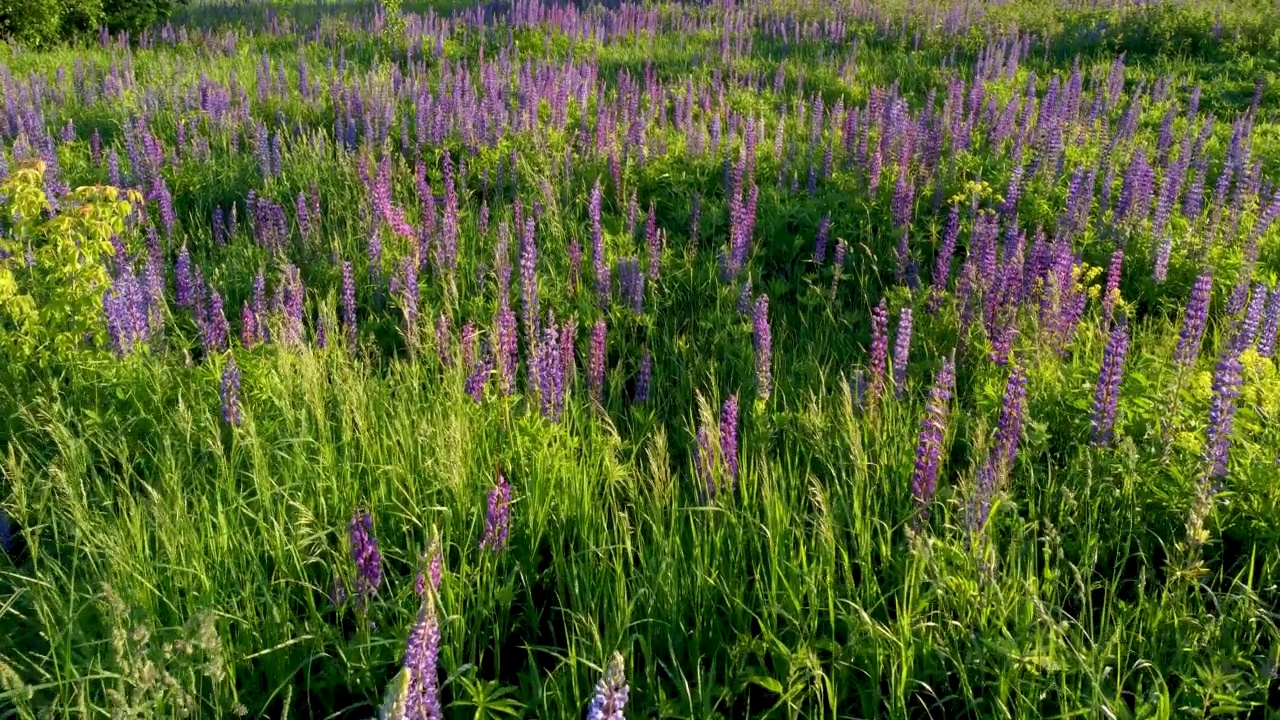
x=776 y=359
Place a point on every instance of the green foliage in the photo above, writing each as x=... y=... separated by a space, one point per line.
x=44 y=22
x=54 y=269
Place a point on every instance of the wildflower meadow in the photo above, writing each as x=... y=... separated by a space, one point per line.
x=726 y=359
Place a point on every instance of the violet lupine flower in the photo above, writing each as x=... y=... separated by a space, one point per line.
x=653 y=240
x=598 y=260
x=547 y=370
x=1111 y=294
x=1004 y=448
x=408 y=295
x=497 y=522
x=879 y=348
x=611 y=693
x=365 y=555
x=729 y=439
x=322 y=333
x=248 y=327
x=1160 y=270
x=1193 y=322
x=942 y=268
x=1270 y=326
x=184 y=287
x=447 y=248
x=842 y=249
x=431 y=569
x=695 y=218
x=762 y=336
x=820 y=242
x=421 y=664
x=349 y=303
x=481 y=369
x=902 y=350
x=596 y=362
x=231 y=392
x=1108 y=389
x=1250 y=324
x=214 y=331
x=529 y=280
x=1222 y=410
x=644 y=378
x=924 y=477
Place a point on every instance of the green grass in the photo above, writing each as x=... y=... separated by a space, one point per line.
x=171 y=564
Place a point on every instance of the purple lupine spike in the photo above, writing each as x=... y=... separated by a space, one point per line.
x=598 y=259
x=653 y=240
x=529 y=280
x=349 y=303
x=1251 y=323
x=365 y=555
x=695 y=218
x=431 y=568
x=421 y=662
x=214 y=330
x=497 y=522
x=1194 y=321
x=1270 y=326
x=322 y=333
x=924 y=476
x=744 y=297
x=447 y=248
x=231 y=392
x=1160 y=269
x=942 y=270
x=842 y=250
x=820 y=241
x=729 y=439
x=481 y=369
x=249 y=336
x=762 y=336
x=1222 y=410
x=644 y=378
x=611 y=693
x=184 y=287
x=902 y=350
x=879 y=348
x=596 y=363
x=408 y=297
x=1110 y=374
x=1111 y=293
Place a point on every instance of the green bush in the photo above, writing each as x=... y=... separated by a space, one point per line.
x=40 y=23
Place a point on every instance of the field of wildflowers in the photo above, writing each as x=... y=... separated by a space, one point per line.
x=677 y=360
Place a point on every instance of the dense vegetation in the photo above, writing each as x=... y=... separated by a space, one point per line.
x=731 y=360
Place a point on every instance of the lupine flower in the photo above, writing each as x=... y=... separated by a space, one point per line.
x=322 y=333
x=942 y=269
x=902 y=350
x=1160 y=271
x=1251 y=323
x=653 y=240
x=762 y=336
x=349 y=303
x=231 y=392
x=431 y=569
x=365 y=554
x=481 y=369
x=421 y=661
x=598 y=259
x=729 y=439
x=1193 y=322
x=1270 y=326
x=1111 y=295
x=924 y=477
x=497 y=520
x=185 y=290
x=879 y=347
x=1004 y=448
x=1109 y=377
x=820 y=242
x=529 y=280
x=644 y=378
x=596 y=363
x=842 y=250
x=1222 y=410
x=611 y=693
